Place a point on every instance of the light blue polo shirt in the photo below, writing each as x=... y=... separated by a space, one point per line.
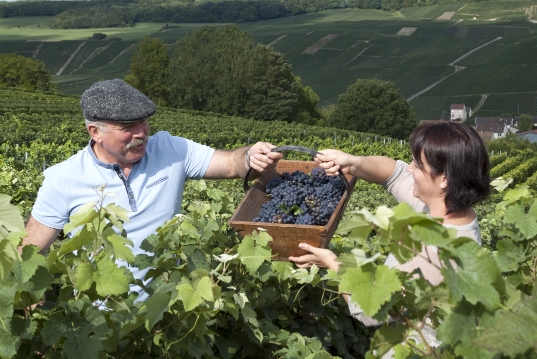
x=152 y=193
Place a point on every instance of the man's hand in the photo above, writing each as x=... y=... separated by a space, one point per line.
x=321 y=257
x=261 y=158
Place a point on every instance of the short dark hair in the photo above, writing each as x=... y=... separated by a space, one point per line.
x=455 y=150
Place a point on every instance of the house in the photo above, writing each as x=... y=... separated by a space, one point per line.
x=528 y=135
x=491 y=128
x=460 y=111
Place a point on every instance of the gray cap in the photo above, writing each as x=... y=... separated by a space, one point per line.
x=114 y=100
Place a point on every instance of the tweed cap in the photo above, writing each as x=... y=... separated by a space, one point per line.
x=114 y=100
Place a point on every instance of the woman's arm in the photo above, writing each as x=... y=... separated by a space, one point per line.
x=374 y=169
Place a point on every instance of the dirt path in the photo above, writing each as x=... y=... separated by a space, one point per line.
x=121 y=53
x=275 y=41
x=354 y=58
x=480 y=103
x=96 y=52
x=457 y=69
x=70 y=59
x=319 y=44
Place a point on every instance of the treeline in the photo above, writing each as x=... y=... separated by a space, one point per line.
x=22 y=72
x=122 y=13
x=123 y=16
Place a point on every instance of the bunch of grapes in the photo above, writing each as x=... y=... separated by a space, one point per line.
x=299 y=198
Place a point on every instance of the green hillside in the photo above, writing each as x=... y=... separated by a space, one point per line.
x=487 y=63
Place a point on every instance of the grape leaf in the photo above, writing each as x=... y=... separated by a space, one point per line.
x=525 y=222
x=156 y=305
x=12 y=332
x=509 y=254
x=192 y=297
x=85 y=214
x=31 y=259
x=108 y=278
x=254 y=250
x=475 y=276
x=370 y=287
x=8 y=256
x=118 y=246
x=82 y=238
x=10 y=216
x=514 y=333
x=83 y=334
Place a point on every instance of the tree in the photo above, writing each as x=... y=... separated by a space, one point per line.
x=525 y=123
x=20 y=71
x=222 y=70
x=373 y=106
x=149 y=68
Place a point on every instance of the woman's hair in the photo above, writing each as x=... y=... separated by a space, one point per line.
x=455 y=150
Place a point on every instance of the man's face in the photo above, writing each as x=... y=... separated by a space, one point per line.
x=122 y=143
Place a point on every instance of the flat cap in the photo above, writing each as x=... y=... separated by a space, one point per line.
x=114 y=100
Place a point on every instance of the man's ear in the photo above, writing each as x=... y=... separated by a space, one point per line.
x=95 y=133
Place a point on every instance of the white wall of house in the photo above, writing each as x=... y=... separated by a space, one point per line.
x=458 y=114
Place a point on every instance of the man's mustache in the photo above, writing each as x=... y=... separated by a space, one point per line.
x=137 y=142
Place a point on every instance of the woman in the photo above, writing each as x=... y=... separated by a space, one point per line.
x=449 y=173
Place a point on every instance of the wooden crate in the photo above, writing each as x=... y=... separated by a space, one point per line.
x=286 y=237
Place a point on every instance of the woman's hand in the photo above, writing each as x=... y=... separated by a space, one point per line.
x=319 y=256
x=334 y=160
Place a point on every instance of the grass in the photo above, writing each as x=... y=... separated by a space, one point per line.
x=367 y=46
x=36 y=29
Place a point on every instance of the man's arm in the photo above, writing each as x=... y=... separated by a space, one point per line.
x=235 y=164
x=39 y=234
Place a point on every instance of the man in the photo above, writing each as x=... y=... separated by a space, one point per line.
x=146 y=173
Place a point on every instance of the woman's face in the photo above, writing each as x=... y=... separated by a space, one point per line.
x=427 y=187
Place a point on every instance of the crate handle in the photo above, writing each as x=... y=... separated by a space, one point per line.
x=299 y=149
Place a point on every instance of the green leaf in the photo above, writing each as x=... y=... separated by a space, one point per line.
x=460 y=325
x=156 y=305
x=307 y=276
x=370 y=287
x=117 y=215
x=514 y=333
x=18 y=329
x=193 y=296
x=118 y=246
x=254 y=250
x=385 y=338
x=525 y=222
x=226 y=347
x=83 y=333
x=108 y=278
x=8 y=256
x=10 y=216
x=31 y=259
x=475 y=276
x=509 y=254
x=85 y=214
x=80 y=239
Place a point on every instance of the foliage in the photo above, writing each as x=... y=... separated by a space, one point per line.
x=215 y=296
x=148 y=69
x=511 y=143
x=211 y=295
x=373 y=106
x=98 y=36
x=221 y=70
x=20 y=71
x=525 y=123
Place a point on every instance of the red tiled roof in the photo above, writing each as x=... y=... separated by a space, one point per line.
x=457 y=106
